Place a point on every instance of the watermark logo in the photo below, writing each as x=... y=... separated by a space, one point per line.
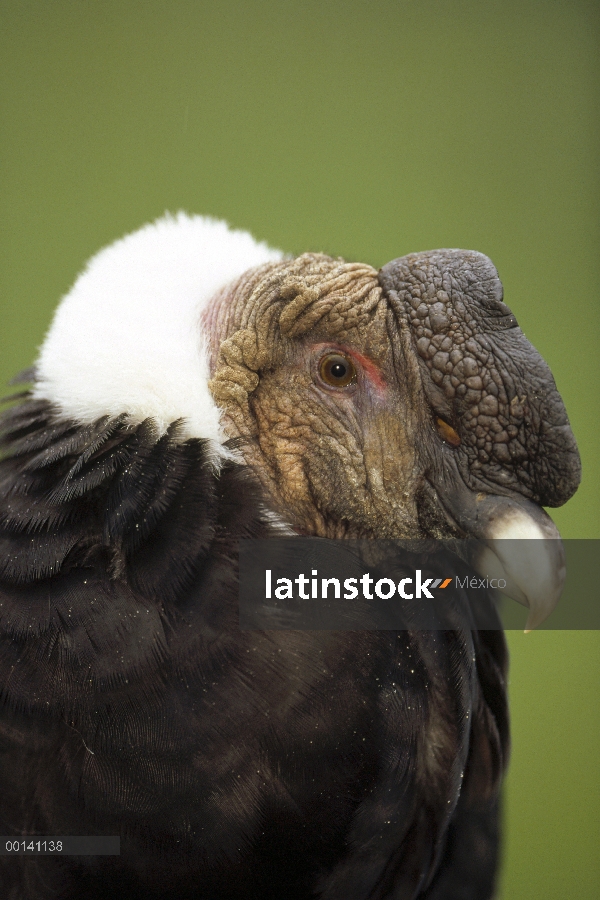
x=384 y=588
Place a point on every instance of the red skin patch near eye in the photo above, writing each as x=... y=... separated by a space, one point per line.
x=372 y=371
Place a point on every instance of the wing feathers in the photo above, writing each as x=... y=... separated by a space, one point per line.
x=103 y=526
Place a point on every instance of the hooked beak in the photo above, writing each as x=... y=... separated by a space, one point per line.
x=521 y=544
x=515 y=540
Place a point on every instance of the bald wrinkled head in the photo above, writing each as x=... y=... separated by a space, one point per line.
x=402 y=403
x=480 y=372
x=314 y=445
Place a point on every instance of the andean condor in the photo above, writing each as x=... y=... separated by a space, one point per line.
x=195 y=388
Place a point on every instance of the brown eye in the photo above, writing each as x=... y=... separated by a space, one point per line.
x=337 y=370
x=447 y=433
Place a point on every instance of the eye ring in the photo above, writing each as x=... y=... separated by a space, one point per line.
x=337 y=370
x=447 y=432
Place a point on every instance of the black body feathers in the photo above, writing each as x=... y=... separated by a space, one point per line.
x=254 y=765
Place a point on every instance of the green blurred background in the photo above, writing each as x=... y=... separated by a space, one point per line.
x=366 y=129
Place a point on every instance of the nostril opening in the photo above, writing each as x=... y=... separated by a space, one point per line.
x=447 y=432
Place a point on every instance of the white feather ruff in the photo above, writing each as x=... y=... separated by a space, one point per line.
x=127 y=337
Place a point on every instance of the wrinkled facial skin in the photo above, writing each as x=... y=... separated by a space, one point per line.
x=337 y=461
x=345 y=456
x=450 y=407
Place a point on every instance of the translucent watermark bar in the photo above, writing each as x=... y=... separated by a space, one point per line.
x=315 y=584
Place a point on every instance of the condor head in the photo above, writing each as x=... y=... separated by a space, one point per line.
x=404 y=403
